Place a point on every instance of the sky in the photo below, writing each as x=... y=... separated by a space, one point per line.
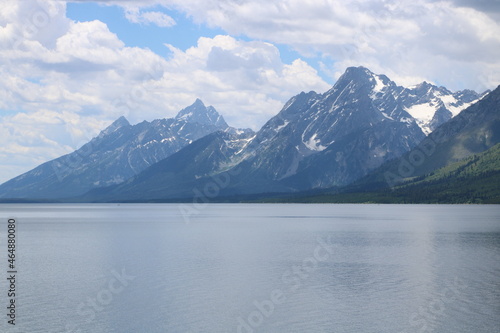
x=68 y=69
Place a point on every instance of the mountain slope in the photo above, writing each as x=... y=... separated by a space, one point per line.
x=475 y=179
x=458 y=163
x=473 y=131
x=321 y=140
x=116 y=154
x=332 y=139
x=181 y=174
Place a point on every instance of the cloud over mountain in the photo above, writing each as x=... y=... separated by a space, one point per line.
x=84 y=75
x=423 y=39
x=71 y=70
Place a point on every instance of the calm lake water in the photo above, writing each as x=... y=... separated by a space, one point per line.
x=253 y=268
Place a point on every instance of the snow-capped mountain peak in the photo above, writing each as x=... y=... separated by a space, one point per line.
x=431 y=105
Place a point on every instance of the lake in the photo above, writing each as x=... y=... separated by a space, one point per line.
x=252 y=268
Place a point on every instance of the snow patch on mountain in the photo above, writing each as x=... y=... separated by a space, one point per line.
x=423 y=114
x=386 y=115
x=453 y=105
x=379 y=84
x=431 y=105
x=185 y=116
x=314 y=144
x=282 y=126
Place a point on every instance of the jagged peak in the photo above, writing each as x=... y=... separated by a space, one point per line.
x=199 y=113
x=467 y=95
x=362 y=78
x=358 y=69
x=122 y=121
x=356 y=74
x=361 y=73
x=467 y=91
x=116 y=125
x=430 y=87
x=198 y=102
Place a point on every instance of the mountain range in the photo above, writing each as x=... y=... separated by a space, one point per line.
x=317 y=141
x=459 y=162
x=116 y=154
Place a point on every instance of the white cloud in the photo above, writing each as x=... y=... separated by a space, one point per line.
x=453 y=43
x=30 y=139
x=246 y=81
x=135 y=15
x=71 y=83
x=71 y=79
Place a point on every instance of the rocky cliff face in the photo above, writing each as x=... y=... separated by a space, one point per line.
x=321 y=140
